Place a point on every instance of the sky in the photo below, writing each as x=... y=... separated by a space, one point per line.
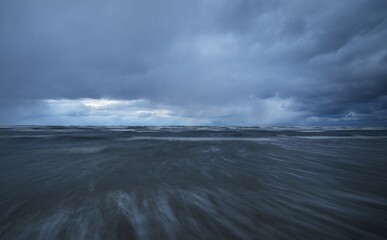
x=201 y=62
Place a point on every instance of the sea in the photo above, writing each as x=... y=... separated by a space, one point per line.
x=124 y=182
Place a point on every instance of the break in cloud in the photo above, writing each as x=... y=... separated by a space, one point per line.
x=205 y=62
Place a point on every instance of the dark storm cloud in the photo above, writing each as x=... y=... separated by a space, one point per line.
x=325 y=59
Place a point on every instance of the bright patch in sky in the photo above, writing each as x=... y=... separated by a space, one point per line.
x=144 y=112
x=99 y=103
x=106 y=111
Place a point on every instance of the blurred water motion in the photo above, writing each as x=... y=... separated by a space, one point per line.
x=192 y=183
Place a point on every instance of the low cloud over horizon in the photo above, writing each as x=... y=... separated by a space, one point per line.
x=205 y=62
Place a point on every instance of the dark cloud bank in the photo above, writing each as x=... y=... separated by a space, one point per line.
x=234 y=62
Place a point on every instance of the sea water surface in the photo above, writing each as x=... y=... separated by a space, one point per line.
x=193 y=183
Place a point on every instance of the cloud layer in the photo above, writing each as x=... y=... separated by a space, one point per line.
x=234 y=62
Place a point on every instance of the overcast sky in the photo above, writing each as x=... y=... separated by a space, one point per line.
x=193 y=62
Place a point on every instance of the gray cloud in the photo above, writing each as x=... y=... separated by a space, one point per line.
x=324 y=61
